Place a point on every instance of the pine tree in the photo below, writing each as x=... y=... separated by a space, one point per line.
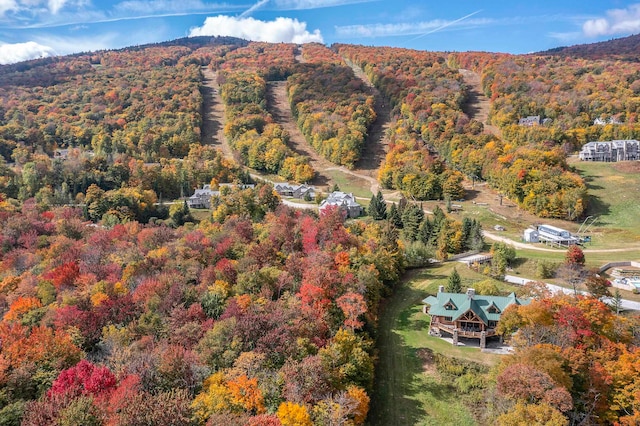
x=424 y=234
x=474 y=240
x=467 y=225
x=454 y=283
x=373 y=207
x=411 y=220
x=616 y=302
x=377 y=207
x=394 y=216
x=382 y=206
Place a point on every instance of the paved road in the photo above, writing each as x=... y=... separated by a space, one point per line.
x=626 y=304
x=295 y=205
x=530 y=246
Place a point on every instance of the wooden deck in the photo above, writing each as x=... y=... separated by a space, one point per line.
x=449 y=328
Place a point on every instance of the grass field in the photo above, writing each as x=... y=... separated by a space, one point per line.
x=350 y=183
x=406 y=393
x=614 y=197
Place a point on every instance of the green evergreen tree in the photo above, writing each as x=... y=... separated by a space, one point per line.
x=412 y=217
x=472 y=234
x=382 y=206
x=467 y=225
x=394 y=216
x=373 y=207
x=616 y=301
x=439 y=218
x=454 y=283
x=424 y=234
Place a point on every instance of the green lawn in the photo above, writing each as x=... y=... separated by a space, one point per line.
x=614 y=195
x=406 y=392
x=350 y=183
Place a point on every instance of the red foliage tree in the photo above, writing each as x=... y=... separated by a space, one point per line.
x=353 y=305
x=84 y=378
x=574 y=256
x=64 y=275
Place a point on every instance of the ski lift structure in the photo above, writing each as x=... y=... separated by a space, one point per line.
x=584 y=229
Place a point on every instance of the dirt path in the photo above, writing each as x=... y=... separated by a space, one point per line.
x=278 y=106
x=376 y=145
x=280 y=110
x=299 y=58
x=477 y=107
x=213 y=117
x=528 y=246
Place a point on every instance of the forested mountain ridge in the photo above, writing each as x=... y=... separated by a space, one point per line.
x=119 y=104
x=625 y=49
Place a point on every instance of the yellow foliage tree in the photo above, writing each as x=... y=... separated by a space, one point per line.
x=362 y=399
x=214 y=398
x=532 y=414
x=292 y=414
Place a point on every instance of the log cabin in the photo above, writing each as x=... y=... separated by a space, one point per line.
x=468 y=314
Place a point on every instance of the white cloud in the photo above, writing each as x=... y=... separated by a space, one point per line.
x=279 y=30
x=17 y=52
x=67 y=45
x=314 y=4
x=31 y=8
x=56 y=5
x=168 y=6
x=254 y=8
x=617 y=21
x=7 y=5
x=409 y=28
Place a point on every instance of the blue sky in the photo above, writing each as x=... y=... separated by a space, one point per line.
x=33 y=28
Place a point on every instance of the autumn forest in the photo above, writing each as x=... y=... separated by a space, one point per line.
x=120 y=305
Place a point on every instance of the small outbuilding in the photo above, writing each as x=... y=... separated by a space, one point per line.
x=531 y=236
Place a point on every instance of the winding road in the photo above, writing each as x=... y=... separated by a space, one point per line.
x=530 y=246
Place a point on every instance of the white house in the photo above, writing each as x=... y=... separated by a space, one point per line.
x=345 y=202
x=601 y=122
x=611 y=151
x=201 y=198
x=296 y=191
x=532 y=120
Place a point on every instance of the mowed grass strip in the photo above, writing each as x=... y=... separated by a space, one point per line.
x=408 y=388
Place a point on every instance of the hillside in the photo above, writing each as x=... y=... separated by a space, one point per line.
x=624 y=49
x=122 y=306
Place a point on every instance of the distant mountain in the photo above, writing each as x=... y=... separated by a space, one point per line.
x=626 y=48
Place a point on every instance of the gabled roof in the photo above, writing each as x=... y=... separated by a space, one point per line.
x=479 y=305
x=339 y=198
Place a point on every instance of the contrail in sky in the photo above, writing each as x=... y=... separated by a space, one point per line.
x=253 y=8
x=447 y=25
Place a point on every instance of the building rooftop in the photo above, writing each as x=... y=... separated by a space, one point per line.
x=487 y=308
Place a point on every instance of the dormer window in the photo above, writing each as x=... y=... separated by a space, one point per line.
x=493 y=309
x=450 y=305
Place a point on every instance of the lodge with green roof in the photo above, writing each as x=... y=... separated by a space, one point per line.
x=468 y=314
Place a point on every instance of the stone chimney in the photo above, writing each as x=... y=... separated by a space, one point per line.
x=441 y=289
x=471 y=292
